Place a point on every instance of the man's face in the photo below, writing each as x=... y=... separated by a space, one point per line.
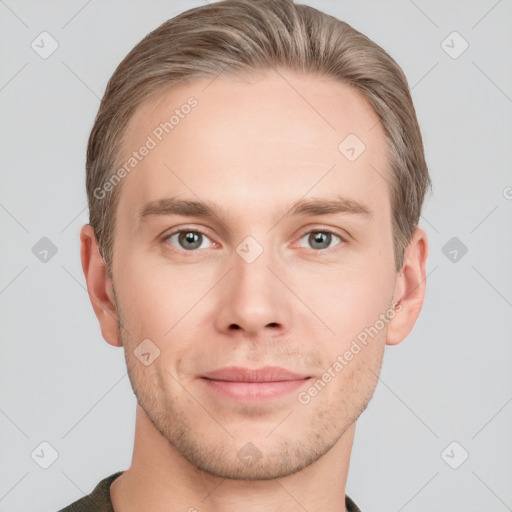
x=291 y=295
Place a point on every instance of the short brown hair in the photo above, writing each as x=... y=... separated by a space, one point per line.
x=244 y=35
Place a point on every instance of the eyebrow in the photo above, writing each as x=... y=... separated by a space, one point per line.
x=312 y=206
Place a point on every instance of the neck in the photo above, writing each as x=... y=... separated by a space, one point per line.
x=160 y=479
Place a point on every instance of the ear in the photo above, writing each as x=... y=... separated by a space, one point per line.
x=99 y=286
x=409 y=290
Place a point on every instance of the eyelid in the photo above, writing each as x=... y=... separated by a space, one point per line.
x=342 y=234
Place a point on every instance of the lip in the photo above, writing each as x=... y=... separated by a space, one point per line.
x=253 y=385
x=265 y=374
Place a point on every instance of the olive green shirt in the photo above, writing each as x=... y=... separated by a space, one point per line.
x=99 y=499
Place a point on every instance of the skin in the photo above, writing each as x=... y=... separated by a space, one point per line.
x=251 y=147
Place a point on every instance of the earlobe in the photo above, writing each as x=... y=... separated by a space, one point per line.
x=409 y=289
x=99 y=286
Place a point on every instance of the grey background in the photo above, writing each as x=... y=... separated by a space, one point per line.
x=449 y=381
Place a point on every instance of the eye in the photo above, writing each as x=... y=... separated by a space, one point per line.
x=320 y=239
x=188 y=239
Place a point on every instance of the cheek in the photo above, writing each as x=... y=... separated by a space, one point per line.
x=351 y=298
x=156 y=295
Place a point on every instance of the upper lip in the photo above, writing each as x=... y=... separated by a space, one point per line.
x=265 y=374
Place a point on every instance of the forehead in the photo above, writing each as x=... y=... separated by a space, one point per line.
x=252 y=139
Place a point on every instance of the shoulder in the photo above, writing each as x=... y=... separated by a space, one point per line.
x=351 y=506
x=97 y=501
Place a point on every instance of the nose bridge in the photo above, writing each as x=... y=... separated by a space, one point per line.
x=251 y=271
x=254 y=282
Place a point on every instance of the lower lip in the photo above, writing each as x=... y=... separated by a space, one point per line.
x=253 y=391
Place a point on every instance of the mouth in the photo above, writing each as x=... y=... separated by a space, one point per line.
x=253 y=385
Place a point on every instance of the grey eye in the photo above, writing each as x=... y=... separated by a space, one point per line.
x=320 y=239
x=188 y=240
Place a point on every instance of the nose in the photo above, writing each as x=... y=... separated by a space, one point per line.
x=252 y=301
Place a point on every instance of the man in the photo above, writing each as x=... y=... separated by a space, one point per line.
x=283 y=146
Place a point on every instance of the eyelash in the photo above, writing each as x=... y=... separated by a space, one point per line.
x=166 y=238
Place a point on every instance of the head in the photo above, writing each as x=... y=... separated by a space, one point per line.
x=289 y=144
